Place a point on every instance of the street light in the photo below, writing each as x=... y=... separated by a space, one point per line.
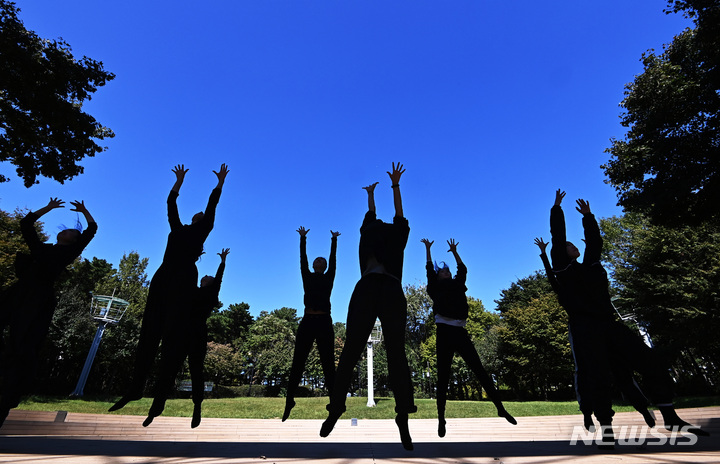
x=105 y=310
x=375 y=337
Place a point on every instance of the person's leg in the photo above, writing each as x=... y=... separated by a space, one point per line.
x=325 y=339
x=303 y=344
x=629 y=346
x=196 y=360
x=172 y=355
x=445 y=350
x=148 y=344
x=582 y=389
x=393 y=317
x=466 y=349
x=360 y=321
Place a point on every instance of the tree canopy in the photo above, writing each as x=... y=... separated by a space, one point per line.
x=43 y=129
x=668 y=164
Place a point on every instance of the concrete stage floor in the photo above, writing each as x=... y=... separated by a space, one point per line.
x=68 y=438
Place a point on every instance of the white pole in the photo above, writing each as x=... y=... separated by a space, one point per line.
x=371 y=393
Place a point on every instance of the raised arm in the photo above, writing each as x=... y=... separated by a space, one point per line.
x=89 y=232
x=221 y=268
x=397 y=171
x=593 y=239
x=560 y=258
x=209 y=217
x=304 y=267
x=546 y=263
x=27 y=224
x=221 y=175
x=173 y=215
x=333 y=252
x=428 y=244
x=370 y=189
x=462 y=270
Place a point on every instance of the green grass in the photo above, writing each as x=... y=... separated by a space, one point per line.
x=314 y=408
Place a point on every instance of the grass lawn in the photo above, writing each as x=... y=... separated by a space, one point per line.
x=314 y=408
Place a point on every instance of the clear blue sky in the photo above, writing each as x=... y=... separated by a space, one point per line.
x=491 y=106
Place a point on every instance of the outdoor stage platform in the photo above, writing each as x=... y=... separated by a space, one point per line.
x=68 y=438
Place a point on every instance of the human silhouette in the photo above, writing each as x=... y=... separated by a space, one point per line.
x=27 y=307
x=174 y=282
x=599 y=338
x=620 y=372
x=450 y=308
x=378 y=294
x=188 y=339
x=316 y=324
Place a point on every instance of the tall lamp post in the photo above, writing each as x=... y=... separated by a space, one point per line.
x=105 y=310
x=375 y=337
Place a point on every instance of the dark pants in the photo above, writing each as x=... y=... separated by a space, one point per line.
x=313 y=328
x=607 y=351
x=27 y=313
x=451 y=340
x=376 y=296
x=168 y=301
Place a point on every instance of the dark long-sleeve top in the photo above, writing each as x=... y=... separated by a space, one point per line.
x=386 y=242
x=185 y=242
x=448 y=295
x=47 y=261
x=317 y=287
x=583 y=287
x=206 y=298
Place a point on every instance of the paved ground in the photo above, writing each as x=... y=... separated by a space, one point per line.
x=60 y=438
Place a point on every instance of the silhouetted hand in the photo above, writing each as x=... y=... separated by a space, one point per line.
x=559 y=195
x=223 y=254
x=54 y=203
x=453 y=245
x=583 y=206
x=303 y=231
x=78 y=206
x=334 y=234
x=397 y=171
x=222 y=174
x=542 y=245
x=371 y=188
x=180 y=172
x=427 y=243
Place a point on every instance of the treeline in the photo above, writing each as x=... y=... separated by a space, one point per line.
x=667 y=280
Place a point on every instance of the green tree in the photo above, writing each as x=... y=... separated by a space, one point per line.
x=270 y=345
x=43 y=130
x=230 y=326
x=668 y=164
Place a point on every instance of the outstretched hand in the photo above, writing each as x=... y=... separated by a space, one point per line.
x=427 y=242
x=559 y=195
x=303 y=231
x=397 y=171
x=180 y=172
x=370 y=188
x=55 y=203
x=223 y=254
x=79 y=207
x=542 y=245
x=222 y=173
x=453 y=245
x=583 y=206
x=334 y=234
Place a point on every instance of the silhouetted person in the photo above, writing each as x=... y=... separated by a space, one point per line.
x=189 y=339
x=378 y=294
x=620 y=372
x=599 y=338
x=174 y=282
x=27 y=307
x=316 y=325
x=450 y=307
